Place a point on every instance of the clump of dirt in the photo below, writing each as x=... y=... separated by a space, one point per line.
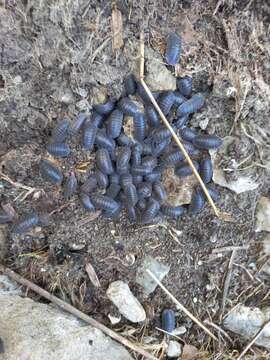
x=48 y=50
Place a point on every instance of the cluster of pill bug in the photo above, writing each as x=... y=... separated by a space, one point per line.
x=128 y=173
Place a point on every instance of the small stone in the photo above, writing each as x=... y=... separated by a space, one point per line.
x=266 y=244
x=82 y=92
x=180 y=330
x=119 y=293
x=174 y=349
x=83 y=105
x=248 y=321
x=8 y=287
x=98 y=94
x=263 y=214
x=190 y=352
x=203 y=123
x=67 y=97
x=17 y=80
x=114 y=319
x=145 y=280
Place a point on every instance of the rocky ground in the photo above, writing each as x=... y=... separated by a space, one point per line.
x=57 y=59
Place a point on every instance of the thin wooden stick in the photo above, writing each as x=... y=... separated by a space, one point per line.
x=72 y=310
x=227 y=282
x=256 y=337
x=186 y=311
x=175 y=137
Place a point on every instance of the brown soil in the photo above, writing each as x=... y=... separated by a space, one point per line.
x=49 y=47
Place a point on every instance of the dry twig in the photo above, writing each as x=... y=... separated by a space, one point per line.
x=186 y=311
x=117 y=28
x=72 y=310
x=227 y=282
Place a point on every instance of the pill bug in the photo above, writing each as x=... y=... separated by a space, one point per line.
x=130 y=85
x=207 y=142
x=147 y=149
x=132 y=213
x=161 y=133
x=89 y=136
x=159 y=191
x=172 y=158
x=178 y=99
x=187 y=134
x=141 y=204
x=103 y=161
x=71 y=185
x=123 y=140
x=86 y=202
x=159 y=147
x=58 y=150
x=152 y=116
x=168 y=320
x=5 y=217
x=114 y=123
x=50 y=172
x=213 y=193
x=197 y=202
x=95 y=119
x=114 y=213
x=137 y=179
x=139 y=122
x=173 y=49
x=126 y=180
x=114 y=178
x=60 y=132
x=190 y=106
x=102 y=179
x=136 y=154
x=144 y=190
x=128 y=106
x=172 y=212
x=141 y=170
x=103 y=140
x=122 y=159
x=89 y=185
x=154 y=176
x=151 y=211
x=181 y=121
x=149 y=161
x=166 y=102
x=76 y=126
x=104 y=202
x=113 y=190
x=206 y=170
x=105 y=108
x=142 y=93
x=184 y=169
x=184 y=85
x=26 y=223
x=131 y=194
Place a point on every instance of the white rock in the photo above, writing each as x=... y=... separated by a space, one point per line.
x=35 y=331
x=145 y=280
x=247 y=322
x=119 y=293
x=114 y=319
x=67 y=97
x=9 y=287
x=180 y=330
x=174 y=349
x=263 y=214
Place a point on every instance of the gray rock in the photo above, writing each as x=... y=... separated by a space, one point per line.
x=247 y=322
x=263 y=214
x=119 y=293
x=66 y=97
x=174 y=349
x=8 y=287
x=145 y=280
x=35 y=331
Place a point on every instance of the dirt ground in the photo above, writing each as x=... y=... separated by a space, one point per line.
x=55 y=56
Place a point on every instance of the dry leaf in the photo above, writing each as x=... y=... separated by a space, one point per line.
x=117 y=29
x=92 y=275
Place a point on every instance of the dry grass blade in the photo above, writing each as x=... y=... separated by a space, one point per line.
x=117 y=28
x=92 y=275
x=175 y=137
x=186 y=311
x=72 y=310
x=227 y=282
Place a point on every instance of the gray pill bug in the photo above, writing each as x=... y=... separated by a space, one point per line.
x=206 y=170
x=137 y=179
x=139 y=122
x=159 y=192
x=144 y=190
x=123 y=155
x=105 y=108
x=77 y=125
x=103 y=161
x=126 y=180
x=26 y=223
x=141 y=204
x=141 y=170
x=130 y=84
x=128 y=106
x=58 y=150
x=89 y=136
x=173 y=49
x=102 y=179
x=5 y=217
x=159 y=147
x=113 y=190
x=50 y=172
x=184 y=169
x=61 y=131
x=149 y=161
x=161 y=133
x=173 y=212
x=124 y=140
x=172 y=158
x=132 y=213
x=178 y=99
x=213 y=193
x=181 y=121
x=71 y=185
x=114 y=123
x=190 y=106
x=188 y=134
x=104 y=202
x=207 y=142
x=89 y=185
x=154 y=176
x=197 y=202
x=152 y=116
x=102 y=140
x=147 y=149
x=86 y=202
x=151 y=211
x=166 y=102
x=136 y=154
x=114 y=178
x=184 y=85
x=95 y=119
x=168 y=320
x=131 y=194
